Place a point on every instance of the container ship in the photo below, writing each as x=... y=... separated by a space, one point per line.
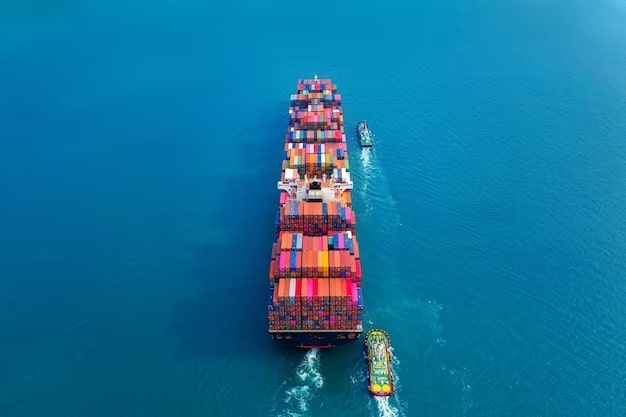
x=315 y=297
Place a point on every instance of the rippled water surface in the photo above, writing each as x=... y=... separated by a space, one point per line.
x=142 y=144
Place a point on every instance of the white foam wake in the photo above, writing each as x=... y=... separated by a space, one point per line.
x=366 y=160
x=309 y=380
x=385 y=409
x=374 y=188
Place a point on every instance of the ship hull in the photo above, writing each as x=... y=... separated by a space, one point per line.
x=315 y=340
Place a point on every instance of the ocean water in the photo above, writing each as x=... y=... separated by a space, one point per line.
x=141 y=146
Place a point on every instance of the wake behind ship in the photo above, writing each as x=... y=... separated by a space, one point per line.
x=315 y=297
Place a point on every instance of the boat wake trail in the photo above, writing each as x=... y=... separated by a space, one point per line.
x=366 y=159
x=373 y=187
x=369 y=172
x=308 y=381
x=385 y=409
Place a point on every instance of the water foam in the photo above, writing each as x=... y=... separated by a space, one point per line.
x=366 y=158
x=309 y=380
x=373 y=187
x=385 y=409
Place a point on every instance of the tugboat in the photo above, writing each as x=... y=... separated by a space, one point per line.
x=365 y=136
x=377 y=349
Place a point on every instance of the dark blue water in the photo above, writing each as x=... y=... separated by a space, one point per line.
x=142 y=142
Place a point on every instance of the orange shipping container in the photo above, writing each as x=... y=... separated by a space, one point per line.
x=335 y=254
x=285 y=287
x=348 y=198
x=338 y=292
x=332 y=210
x=281 y=288
x=323 y=287
x=272 y=272
x=303 y=286
x=308 y=260
x=331 y=287
x=352 y=266
x=332 y=265
x=285 y=241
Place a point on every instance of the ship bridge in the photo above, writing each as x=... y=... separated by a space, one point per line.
x=326 y=189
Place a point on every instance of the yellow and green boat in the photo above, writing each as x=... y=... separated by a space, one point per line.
x=377 y=350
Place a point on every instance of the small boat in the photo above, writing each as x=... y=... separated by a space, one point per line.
x=365 y=135
x=377 y=349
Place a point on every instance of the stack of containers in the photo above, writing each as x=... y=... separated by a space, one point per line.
x=272 y=309
x=315 y=269
x=316 y=218
x=357 y=261
x=286 y=312
x=338 y=303
x=295 y=155
x=291 y=216
x=301 y=134
x=315 y=304
x=290 y=257
x=273 y=273
x=355 y=310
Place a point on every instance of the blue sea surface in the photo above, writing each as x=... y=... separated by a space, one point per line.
x=141 y=148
